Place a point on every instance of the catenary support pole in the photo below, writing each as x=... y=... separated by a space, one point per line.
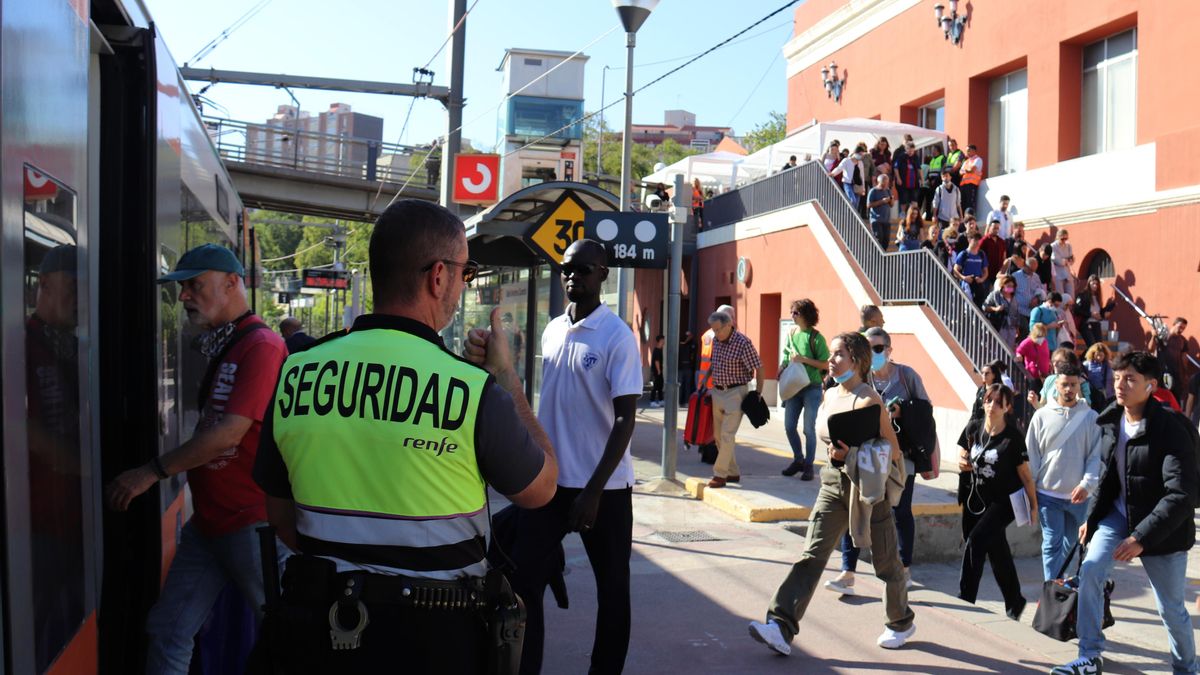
x=670 y=445
x=454 y=105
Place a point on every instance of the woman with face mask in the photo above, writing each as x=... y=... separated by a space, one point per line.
x=895 y=382
x=850 y=368
x=992 y=450
x=1035 y=355
x=1000 y=309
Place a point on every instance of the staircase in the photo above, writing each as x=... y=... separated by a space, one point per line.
x=899 y=277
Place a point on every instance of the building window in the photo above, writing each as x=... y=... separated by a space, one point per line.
x=1008 y=123
x=1109 y=115
x=933 y=116
x=1101 y=264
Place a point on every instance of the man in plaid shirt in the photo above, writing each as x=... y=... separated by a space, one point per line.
x=734 y=362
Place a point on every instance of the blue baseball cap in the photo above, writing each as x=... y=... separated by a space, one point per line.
x=204 y=258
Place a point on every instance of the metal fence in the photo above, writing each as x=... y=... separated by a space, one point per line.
x=899 y=277
x=282 y=146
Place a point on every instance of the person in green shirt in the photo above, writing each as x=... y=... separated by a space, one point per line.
x=805 y=347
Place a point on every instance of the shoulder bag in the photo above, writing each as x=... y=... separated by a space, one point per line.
x=1057 y=608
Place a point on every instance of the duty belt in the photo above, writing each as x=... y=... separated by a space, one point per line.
x=460 y=594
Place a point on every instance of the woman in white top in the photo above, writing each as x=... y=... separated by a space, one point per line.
x=1063 y=257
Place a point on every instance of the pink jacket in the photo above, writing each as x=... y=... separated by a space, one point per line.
x=1037 y=357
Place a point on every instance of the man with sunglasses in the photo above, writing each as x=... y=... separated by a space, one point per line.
x=591 y=382
x=377 y=450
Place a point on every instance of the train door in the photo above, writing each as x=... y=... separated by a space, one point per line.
x=47 y=272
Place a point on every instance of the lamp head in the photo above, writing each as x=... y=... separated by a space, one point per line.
x=953 y=7
x=633 y=13
x=938 y=10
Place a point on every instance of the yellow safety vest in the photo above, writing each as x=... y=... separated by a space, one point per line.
x=377 y=429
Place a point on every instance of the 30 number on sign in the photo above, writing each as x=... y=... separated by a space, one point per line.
x=569 y=231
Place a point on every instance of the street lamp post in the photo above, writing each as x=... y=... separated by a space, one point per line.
x=633 y=14
x=600 y=136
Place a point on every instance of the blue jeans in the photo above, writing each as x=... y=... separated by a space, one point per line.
x=200 y=570
x=854 y=198
x=906 y=529
x=1168 y=578
x=1060 y=521
x=807 y=401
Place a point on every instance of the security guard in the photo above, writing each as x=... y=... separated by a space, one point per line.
x=374 y=463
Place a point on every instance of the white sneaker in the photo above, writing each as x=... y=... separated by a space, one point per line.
x=769 y=634
x=908 y=582
x=1081 y=666
x=843 y=584
x=890 y=639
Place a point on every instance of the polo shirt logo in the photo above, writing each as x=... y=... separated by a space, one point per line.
x=590 y=360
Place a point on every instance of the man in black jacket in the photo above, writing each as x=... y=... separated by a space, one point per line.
x=1143 y=508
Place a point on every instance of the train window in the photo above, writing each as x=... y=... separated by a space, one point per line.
x=54 y=380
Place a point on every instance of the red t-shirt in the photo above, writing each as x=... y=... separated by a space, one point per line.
x=224 y=494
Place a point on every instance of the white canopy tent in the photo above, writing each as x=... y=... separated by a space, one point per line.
x=814 y=138
x=714 y=169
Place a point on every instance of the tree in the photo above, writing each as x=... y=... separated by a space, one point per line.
x=642 y=161
x=771 y=131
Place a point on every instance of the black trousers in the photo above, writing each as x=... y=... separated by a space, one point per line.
x=986 y=540
x=295 y=640
x=608 y=546
x=656 y=388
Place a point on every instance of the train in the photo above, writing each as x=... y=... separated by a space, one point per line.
x=108 y=175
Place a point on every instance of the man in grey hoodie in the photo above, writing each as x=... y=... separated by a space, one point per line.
x=1063 y=443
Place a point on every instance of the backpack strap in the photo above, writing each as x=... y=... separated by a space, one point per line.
x=211 y=372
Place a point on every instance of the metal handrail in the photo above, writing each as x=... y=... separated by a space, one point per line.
x=897 y=277
x=282 y=146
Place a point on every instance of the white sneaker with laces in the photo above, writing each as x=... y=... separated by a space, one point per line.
x=769 y=634
x=1081 y=666
x=891 y=639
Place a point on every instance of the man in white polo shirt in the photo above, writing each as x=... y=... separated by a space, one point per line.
x=591 y=381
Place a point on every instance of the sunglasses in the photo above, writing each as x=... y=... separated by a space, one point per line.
x=878 y=349
x=578 y=270
x=470 y=268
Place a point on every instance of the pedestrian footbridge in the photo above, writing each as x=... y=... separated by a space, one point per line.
x=332 y=175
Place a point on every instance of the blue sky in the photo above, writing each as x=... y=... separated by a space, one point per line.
x=385 y=39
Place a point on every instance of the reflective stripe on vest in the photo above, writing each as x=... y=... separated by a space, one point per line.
x=706 y=346
x=973 y=177
x=377 y=430
x=935 y=164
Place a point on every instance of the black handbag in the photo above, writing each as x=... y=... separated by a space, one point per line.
x=1057 y=608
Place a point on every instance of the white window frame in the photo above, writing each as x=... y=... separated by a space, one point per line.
x=1007 y=156
x=932 y=107
x=1105 y=114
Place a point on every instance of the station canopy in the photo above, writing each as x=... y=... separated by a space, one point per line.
x=495 y=237
x=726 y=170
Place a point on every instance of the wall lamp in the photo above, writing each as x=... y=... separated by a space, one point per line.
x=833 y=86
x=952 y=25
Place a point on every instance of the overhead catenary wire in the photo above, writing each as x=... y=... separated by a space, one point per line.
x=658 y=79
x=224 y=35
x=451 y=35
x=754 y=90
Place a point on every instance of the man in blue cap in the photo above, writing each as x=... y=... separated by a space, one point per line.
x=219 y=543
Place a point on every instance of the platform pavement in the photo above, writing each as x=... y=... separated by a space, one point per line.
x=1137 y=643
